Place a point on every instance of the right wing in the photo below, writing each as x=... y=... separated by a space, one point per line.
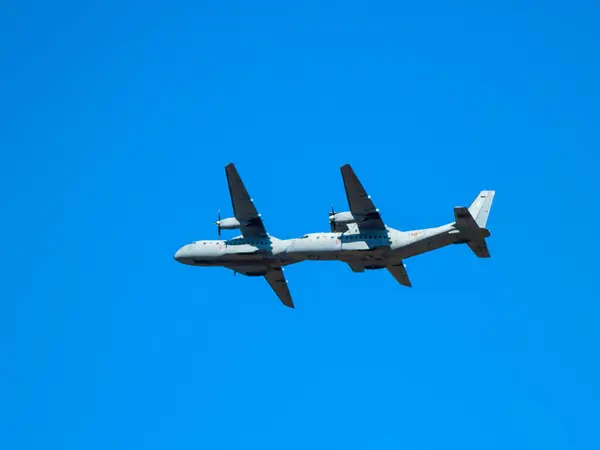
x=251 y=225
x=356 y=266
x=400 y=274
x=276 y=279
x=360 y=202
x=273 y=275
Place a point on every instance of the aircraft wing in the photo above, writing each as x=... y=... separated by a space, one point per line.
x=273 y=275
x=359 y=201
x=276 y=279
x=399 y=273
x=356 y=267
x=243 y=207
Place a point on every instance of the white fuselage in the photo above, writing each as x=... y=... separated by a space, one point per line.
x=372 y=247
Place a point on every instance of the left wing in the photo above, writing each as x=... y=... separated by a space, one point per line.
x=277 y=280
x=251 y=225
x=360 y=202
x=273 y=275
x=398 y=271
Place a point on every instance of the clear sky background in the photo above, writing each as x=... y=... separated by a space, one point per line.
x=116 y=120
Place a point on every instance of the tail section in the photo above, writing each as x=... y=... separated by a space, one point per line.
x=479 y=247
x=480 y=208
x=471 y=223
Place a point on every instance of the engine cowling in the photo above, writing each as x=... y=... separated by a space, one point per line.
x=230 y=223
x=342 y=217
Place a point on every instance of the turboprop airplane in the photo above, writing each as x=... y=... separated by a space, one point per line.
x=358 y=237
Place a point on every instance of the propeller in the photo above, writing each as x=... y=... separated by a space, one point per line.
x=218 y=222
x=332 y=219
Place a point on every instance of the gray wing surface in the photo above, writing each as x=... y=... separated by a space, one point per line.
x=278 y=282
x=273 y=275
x=480 y=248
x=400 y=274
x=251 y=270
x=359 y=201
x=356 y=267
x=243 y=207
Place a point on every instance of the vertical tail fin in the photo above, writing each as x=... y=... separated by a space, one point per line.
x=480 y=208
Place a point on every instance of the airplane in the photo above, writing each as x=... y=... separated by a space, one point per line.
x=358 y=237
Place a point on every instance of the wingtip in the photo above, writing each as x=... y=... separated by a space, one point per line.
x=347 y=171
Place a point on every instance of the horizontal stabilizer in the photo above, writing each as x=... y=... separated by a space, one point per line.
x=400 y=274
x=479 y=247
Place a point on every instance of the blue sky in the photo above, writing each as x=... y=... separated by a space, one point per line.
x=116 y=119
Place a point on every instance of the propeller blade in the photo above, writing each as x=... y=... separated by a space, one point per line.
x=219 y=222
x=332 y=219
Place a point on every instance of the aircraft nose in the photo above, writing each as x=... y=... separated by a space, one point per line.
x=179 y=255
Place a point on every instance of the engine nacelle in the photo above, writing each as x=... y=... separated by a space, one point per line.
x=342 y=217
x=228 y=224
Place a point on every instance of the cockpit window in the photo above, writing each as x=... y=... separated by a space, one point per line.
x=304 y=237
